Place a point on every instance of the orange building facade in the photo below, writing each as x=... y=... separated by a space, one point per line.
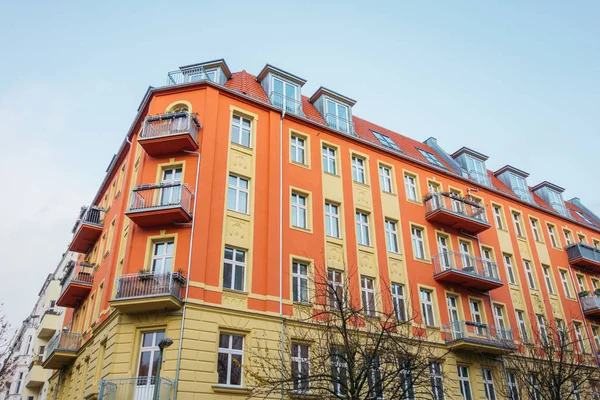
x=230 y=190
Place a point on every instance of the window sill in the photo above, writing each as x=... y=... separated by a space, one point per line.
x=301 y=165
x=235 y=292
x=330 y=174
x=334 y=239
x=366 y=248
x=242 y=148
x=417 y=202
x=242 y=391
x=522 y=238
x=394 y=255
x=389 y=193
x=238 y=214
x=297 y=228
x=365 y=185
x=422 y=260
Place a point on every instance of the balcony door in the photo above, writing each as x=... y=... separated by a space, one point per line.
x=444 y=257
x=171 y=194
x=467 y=260
x=148 y=365
x=500 y=325
x=454 y=316
x=476 y=317
x=162 y=257
x=285 y=95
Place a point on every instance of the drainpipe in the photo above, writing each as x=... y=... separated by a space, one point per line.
x=585 y=324
x=187 y=287
x=281 y=249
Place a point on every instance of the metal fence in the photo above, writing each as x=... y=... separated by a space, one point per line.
x=581 y=250
x=456 y=204
x=480 y=177
x=90 y=215
x=561 y=209
x=523 y=194
x=590 y=303
x=339 y=123
x=171 y=124
x=465 y=263
x=83 y=275
x=63 y=341
x=190 y=75
x=289 y=104
x=136 y=388
x=161 y=195
x=478 y=332
x=150 y=284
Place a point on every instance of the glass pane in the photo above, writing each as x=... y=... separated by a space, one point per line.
x=278 y=86
x=222 y=368
x=159 y=336
x=236 y=369
x=147 y=339
x=235 y=134
x=240 y=256
x=239 y=277
x=144 y=368
x=237 y=342
x=228 y=254
x=243 y=207
x=231 y=199
x=227 y=270
x=223 y=341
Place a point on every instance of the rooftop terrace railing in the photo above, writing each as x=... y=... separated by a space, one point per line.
x=171 y=124
x=456 y=204
x=190 y=75
x=161 y=195
x=466 y=264
x=288 y=104
x=339 y=123
x=480 y=177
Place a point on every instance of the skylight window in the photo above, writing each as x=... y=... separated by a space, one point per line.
x=386 y=141
x=582 y=215
x=431 y=158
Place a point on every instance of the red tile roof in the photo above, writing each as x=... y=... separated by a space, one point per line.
x=246 y=83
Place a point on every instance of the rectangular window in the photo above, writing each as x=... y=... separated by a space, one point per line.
x=374 y=378
x=521 y=325
x=358 y=169
x=162 y=257
x=431 y=158
x=534 y=228
x=581 y=283
x=498 y=217
x=488 y=384
x=386 y=140
x=391 y=235
x=19 y=382
x=529 y=273
x=368 y=295
x=513 y=387
x=411 y=187
x=335 y=288
x=299 y=211
x=329 y=160
x=398 y=301
x=385 y=179
x=501 y=330
x=234 y=269
x=596 y=336
x=418 y=242
x=476 y=316
x=560 y=331
x=237 y=194
x=339 y=372
x=541 y=322
x=534 y=384
x=300 y=282
x=148 y=361
x=437 y=380
x=284 y=96
x=300 y=367
x=332 y=220
x=240 y=130
x=552 y=235
x=548 y=278
x=565 y=283
x=362 y=229
x=427 y=307
x=568 y=239
x=517 y=221
x=579 y=337
x=230 y=359
x=337 y=116
x=464 y=382
x=510 y=273
x=298 y=148
x=581 y=238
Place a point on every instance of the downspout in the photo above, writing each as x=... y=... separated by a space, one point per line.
x=187 y=287
x=281 y=249
x=585 y=324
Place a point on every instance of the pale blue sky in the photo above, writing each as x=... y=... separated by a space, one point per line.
x=518 y=82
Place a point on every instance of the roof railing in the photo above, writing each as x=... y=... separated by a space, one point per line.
x=339 y=123
x=480 y=177
x=189 y=75
x=288 y=104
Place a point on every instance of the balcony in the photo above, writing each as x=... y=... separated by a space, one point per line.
x=170 y=133
x=50 y=322
x=480 y=177
x=77 y=285
x=523 y=194
x=62 y=350
x=339 y=123
x=87 y=229
x=290 y=105
x=37 y=375
x=584 y=256
x=449 y=209
x=147 y=292
x=138 y=388
x=466 y=271
x=191 y=75
x=476 y=337
x=160 y=204
x=591 y=306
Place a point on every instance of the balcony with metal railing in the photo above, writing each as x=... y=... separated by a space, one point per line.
x=170 y=133
x=160 y=204
x=463 y=270
x=477 y=337
x=190 y=75
x=62 y=350
x=136 y=388
x=288 y=104
x=339 y=123
x=76 y=285
x=87 y=229
x=591 y=306
x=480 y=177
x=450 y=209
x=584 y=256
x=149 y=291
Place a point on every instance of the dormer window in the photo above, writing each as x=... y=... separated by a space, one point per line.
x=283 y=89
x=515 y=179
x=337 y=116
x=552 y=194
x=556 y=202
x=474 y=164
x=386 y=140
x=215 y=71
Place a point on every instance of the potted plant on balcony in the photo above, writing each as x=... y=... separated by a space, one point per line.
x=584 y=294
x=144 y=275
x=179 y=277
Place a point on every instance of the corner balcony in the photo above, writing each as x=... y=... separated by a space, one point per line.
x=584 y=256
x=62 y=350
x=37 y=375
x=170 y=133
x=88 y=229
x=463 y=270
x=446 y=208
x=149 y=291
x=160 y=204
x=50 y=322
x=476 y=337
x=138 y=388
x=591 y=306
x=77 y=285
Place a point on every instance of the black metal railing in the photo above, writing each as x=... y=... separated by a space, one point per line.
x=91 y=215
x=82 y=275
x=171 y=124
x=161 y=195
x=150 y=284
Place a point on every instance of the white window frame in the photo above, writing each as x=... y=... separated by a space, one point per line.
x=362 y=229
x=437 y=380
x=343 y=126
x=497 y=210
x=418 y=242
x=535 y=230
x=547 y=271
x=579 y=337
x=368 y=295
x=329 y=157
x=476 y=316
x=237 y=190
x=298 y=149
x=543 y=332
x=230 y=351
x=565 y=282
x=522 y=325
x=235 y=267
x=568 y=238
x=427 y=308
x=300 y=210
x=358 y=170
x=242 y=129
x=529 y=274
x=335 y=282
x=488 y=383
x=464 y=382
x=332 y=220
x=398 y=301
x=580 y=282
x=300 y=361
x=552 y=235
x=513 y=386
x=163 y=262
x=385 y=179
x=410 y=183
x=517 y=223
x=300 y=280
x=391 y=235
